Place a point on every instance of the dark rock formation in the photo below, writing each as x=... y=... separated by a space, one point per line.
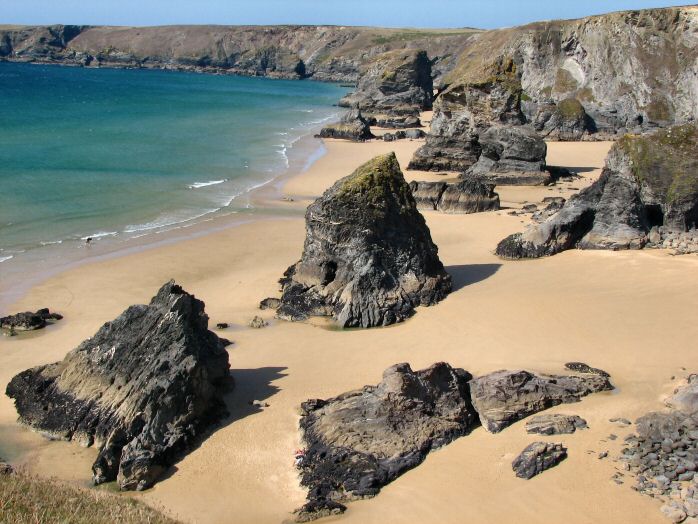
x=412 y=134
x=511 y=155
x=270 y=303
x=361 y=440
x=393 y=88
x=29 y=321
x=504 y=397
x=647 y=181
x=352 y=126
x=554 y=204
x=467 y=196
x=538 y=457
x=565 y=121
x=140 y=390
x=368 y=258
x=581 y=367
x=663 y=455
x=555 y=424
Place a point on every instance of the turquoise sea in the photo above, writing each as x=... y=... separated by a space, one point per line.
x=117 y=154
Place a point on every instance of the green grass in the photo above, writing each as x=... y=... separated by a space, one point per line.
x=570 y=108
x=26 y=499
x=376 y=180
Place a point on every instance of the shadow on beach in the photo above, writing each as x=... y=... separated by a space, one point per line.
x=465 y=275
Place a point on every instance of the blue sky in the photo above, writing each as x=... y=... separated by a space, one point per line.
x=388 y=13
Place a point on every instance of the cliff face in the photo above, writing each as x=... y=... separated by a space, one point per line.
x=328 y=53
x=597 y=77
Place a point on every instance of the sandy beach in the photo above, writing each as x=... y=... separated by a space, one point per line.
x=625 y=312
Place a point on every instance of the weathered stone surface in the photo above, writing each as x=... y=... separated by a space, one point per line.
x=553 y=205
x=504 y=397
x=511 y=155
x=647 y=181
x=352 y=126
x=538 y=457
x=685 y=398
x=140 y=390
x=29 y=321
x=412 y=134
x=581 y=367
x=361 y=440
x=393 y=88
x=368 y=258
x=270 y=303
x=566 y=121
x=467 y=196
x=555 y=424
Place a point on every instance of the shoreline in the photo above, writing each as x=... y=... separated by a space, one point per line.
x=301 y=155
x=530 y=315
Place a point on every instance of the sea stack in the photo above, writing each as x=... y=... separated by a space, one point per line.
x=368 y=258
x=647 y=194
x=140 y=390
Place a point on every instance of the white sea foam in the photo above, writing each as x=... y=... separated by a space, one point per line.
x=198 y=185
x=166 y=221
x=4 y=259
x=51 y=242
x=100 y=234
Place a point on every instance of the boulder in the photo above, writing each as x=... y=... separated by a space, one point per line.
x=368 y=258
x=538 y=457
x=511 y=155
x=352 y=126
x=270 y=303
x=466 y=196
x=504 y=397
x=581 y=367
x=565 y=121
x=647 y=181
x=362 y=440
x=553 y=205
x=28 y=321
x=555 y=424
x=685 y=398
x=141 y=390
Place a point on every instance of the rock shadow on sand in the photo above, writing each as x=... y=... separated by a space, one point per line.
x=468 y=274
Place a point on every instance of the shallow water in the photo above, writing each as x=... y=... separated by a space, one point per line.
x=116 y=155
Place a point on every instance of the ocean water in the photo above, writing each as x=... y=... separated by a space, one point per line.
x=117 y=155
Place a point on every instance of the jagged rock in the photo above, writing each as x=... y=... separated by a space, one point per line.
x=399 y=135
x=538 y=457
x=368 y=258
x=466 y=196
x=140 y=390
x=222 y=325
x=511 y=155
x=270 y=303
x=647 y=181
x=554 y=204
x=28 y=321
x=352 y=126
x=566 y=121
x=581 y=367
x=362 y=440
x=393 y=88
x=685 y=398
x=555 y=424
x=504 y=397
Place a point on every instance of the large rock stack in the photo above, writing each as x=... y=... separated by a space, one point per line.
x=141 y=390
x=648 y=183
x=368 y=258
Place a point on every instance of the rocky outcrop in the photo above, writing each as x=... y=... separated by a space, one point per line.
x=29 y=321
x=412 y=134
x=467 y=196
x=352 y=126
x=393 y=87
x=504 y=397
x=553 y=205
x=510 y=155
x=368 y=258
x=538 y=457
x=565 y=121
x=141 y=390
x=648 y=181
x=662 y=455
x=555 y=424
x=361 y=440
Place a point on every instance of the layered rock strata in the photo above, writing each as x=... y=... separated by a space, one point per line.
x=467 y=196
x=141 y=390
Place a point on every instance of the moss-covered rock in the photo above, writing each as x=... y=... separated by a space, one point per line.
x=368 y=258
